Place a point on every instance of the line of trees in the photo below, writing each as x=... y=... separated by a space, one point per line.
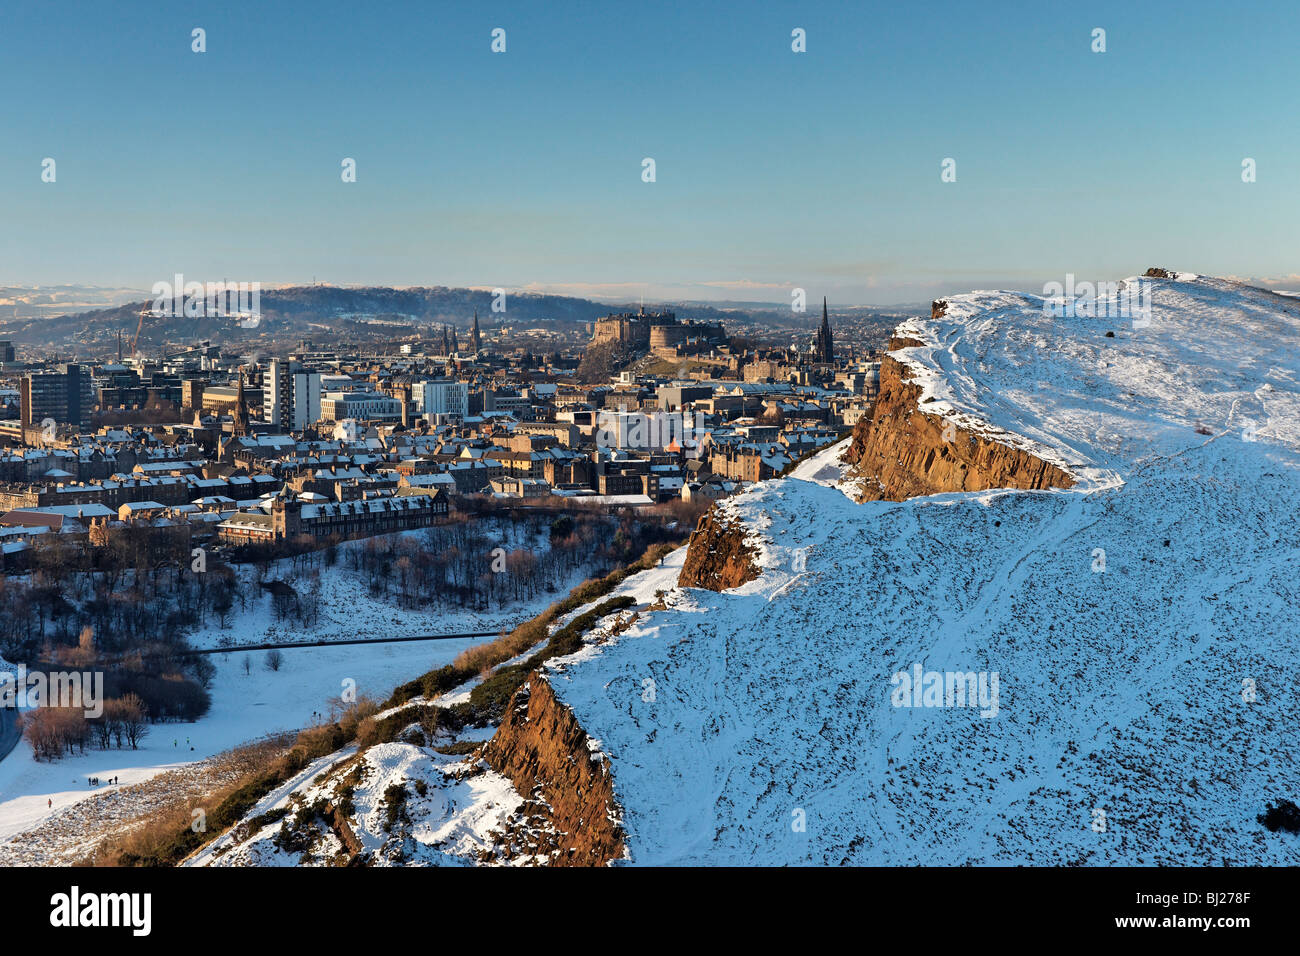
x=56 y=731
x=128 y=608
x=487 y=563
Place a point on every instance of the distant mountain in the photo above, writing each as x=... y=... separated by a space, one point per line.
x=305 y=311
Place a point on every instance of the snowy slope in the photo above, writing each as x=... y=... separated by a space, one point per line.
x=252 y=704
x=245 y=706
x=460 y=815
x=1125 y=730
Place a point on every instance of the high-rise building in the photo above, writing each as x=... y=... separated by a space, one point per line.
x=7 y=353
x=291 y=396
x=65 y=396
x=192 y=393
x=437 y=397
x=825 y=347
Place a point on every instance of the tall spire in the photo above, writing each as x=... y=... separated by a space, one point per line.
x=825 y=351
x=475 y=343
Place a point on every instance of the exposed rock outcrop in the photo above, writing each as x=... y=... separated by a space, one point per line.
x=900 y=452
x=544 y=752
x=338 y=822
x=718 y=554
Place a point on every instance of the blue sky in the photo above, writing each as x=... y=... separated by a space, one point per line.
x=523 y=169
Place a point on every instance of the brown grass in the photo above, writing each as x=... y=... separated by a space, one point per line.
x=235 y=768
x=165 y=837
x=481 y=657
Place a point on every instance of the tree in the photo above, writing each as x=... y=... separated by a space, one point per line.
x=134 y=718
x=222 y=603
x=84 y=654
x=274 y=660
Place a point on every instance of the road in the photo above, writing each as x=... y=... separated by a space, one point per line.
x=360 y=640
x=282 y=645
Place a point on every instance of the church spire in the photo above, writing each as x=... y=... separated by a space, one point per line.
x=239 y=425
x=825 y=344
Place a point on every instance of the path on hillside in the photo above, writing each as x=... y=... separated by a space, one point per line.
x=340 y=643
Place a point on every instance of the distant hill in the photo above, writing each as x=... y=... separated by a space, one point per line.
x=319 y=310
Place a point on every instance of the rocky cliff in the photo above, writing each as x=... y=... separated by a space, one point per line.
x=897 y=452
x=718 y=555
x=900 y=452
x=547 y=756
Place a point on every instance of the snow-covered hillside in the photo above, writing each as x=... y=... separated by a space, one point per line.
x=250 y=701
x=452 y=812
x=1143 y=625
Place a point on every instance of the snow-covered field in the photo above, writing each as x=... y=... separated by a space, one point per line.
x=246 y=706
x=1142 y=626
x=465 y=812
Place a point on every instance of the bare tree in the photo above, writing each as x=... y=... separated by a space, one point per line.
x=134 y=717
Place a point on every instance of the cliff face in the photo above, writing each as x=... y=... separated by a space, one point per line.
x=718 y=556
x=901 y=452
x=898 y=452
x=544 y=752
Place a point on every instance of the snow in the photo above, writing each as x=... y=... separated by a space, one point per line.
x=277 y=798
x=348 y=610
x=1060 y=388
x=463 y=810
x=244 y=707
x=1126 y=730
x=249 y=706
x=825 y=467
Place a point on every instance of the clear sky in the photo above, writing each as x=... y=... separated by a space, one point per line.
x=523 y=169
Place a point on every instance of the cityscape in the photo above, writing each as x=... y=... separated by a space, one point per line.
x=808 y=441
